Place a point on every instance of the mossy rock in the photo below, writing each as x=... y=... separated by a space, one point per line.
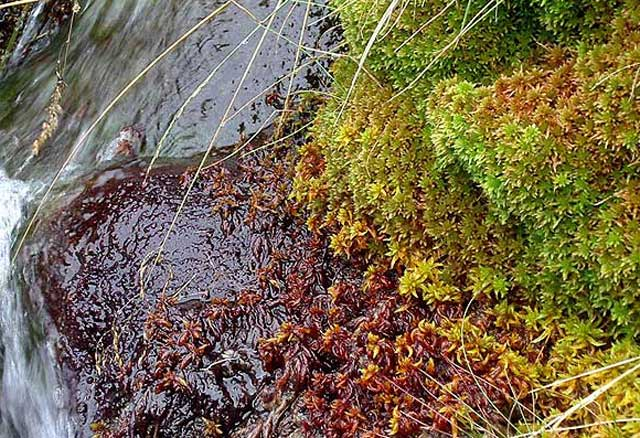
x=507 y=177
x=417 y=45
x=555 y=149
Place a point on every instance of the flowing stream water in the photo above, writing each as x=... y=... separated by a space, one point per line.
x=31 y=401
x=110 y=43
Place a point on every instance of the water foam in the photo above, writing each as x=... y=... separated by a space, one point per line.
x=31 y=400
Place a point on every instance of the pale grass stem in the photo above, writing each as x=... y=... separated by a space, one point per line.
x=213 y=141
x=17 y=3
x=104 y=113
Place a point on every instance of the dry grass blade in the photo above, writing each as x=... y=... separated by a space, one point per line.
x=287 y=99
x=479 y=17
x=470 y=369
x=103 y=114
x=280 y=36
x=635 y=84
x=377 y=31
x=17 y=3
x=299 y=47
x=244 y=145
x=290 y=75
x=554 y=424
x=613 y=73
x=334 y=11
x=277 y=141
x=517 y=405
x=587 y=373
x=308 y=51
x=74 y=11
x=491 y=385
x=597 y=424
x=197 y=91
x=212 y=142
x=283 y=24
x=490 y=427
x=425 y=25
x=420 y=402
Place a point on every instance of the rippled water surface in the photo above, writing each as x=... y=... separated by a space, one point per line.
x=111 y=42
x=31 y=399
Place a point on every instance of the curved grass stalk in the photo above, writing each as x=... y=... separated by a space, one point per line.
x=596 y=424
x=303 y=28
x=391 y=26
x=422 y=424
x=422 y=403
x=278 y=141
x=308 y=50
x=211 y=144
x=613 y=73
x=379 y=27
x=486 y=382
x=365 y=16
x=334 y=11
x=554 y=425
x=425 y=25
x=479 y=17
x=260 y=23
x=242 y=147
x=270 y=86
x=470 y=369
x=106 y=111
x=517 y=405
x=283 y=24
x=197 y=92
x=465 y=404
x=587 y=373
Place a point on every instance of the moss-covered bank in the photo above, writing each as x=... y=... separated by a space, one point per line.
x=493 y=167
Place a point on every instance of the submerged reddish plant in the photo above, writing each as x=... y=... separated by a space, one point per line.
x=374 y=362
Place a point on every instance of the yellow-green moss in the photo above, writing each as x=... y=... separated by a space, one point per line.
x=578 y=376
x=555 y=150
x=476 y=39
x=509 y=174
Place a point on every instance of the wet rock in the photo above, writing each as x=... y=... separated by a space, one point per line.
x=128 y=144
x=159 y=324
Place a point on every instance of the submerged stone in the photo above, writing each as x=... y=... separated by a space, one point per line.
x=159 y=315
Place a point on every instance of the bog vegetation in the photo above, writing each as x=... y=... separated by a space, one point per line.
x=484 y=159
x=480 y=161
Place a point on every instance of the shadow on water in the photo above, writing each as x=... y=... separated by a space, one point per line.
x=111 y=42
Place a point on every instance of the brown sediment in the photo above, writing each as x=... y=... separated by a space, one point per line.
x=171 y=348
